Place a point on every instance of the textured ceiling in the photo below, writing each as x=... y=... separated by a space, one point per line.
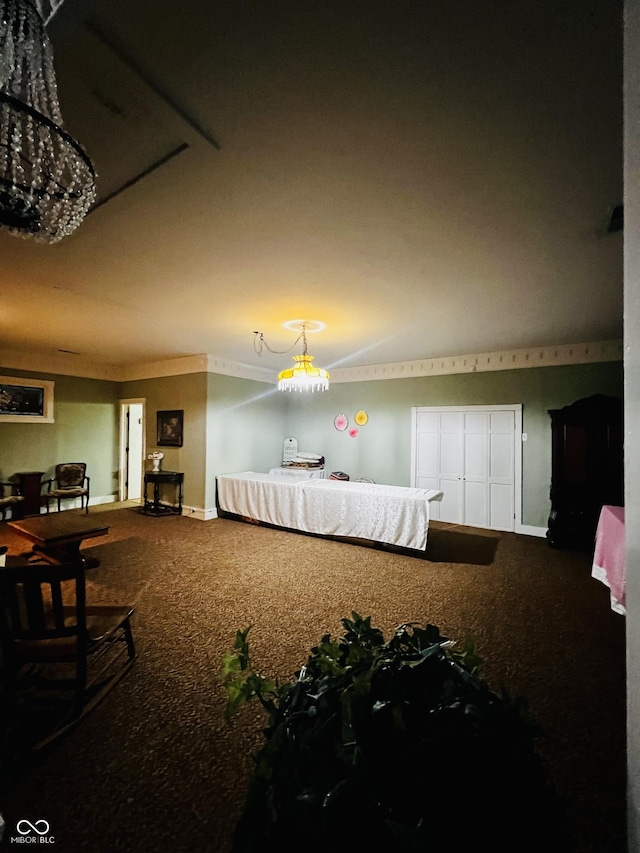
x=425 y=178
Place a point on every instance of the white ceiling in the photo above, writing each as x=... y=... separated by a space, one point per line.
x=427 y=178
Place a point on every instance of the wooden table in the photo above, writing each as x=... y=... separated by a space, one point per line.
x=57 y=538
x=157 y=506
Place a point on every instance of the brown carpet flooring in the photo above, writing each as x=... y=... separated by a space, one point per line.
x=155 y=767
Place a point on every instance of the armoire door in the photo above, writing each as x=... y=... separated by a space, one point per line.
x=470 y=455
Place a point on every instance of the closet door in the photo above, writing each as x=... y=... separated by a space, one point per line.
x=450 y=469
x=437 y=461
x=503 y=441
x=475 y=468
x=468 y=454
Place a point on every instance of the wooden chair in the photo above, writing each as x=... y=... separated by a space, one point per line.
x=51 y=638
x=10 y=499
x=70 y=482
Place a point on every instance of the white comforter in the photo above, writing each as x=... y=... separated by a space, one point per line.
x=398 y=515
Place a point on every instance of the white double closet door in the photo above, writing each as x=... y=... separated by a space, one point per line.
x=473 y=455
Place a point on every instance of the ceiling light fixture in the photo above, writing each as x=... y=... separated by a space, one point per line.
x=47 y=182
x=303 y=376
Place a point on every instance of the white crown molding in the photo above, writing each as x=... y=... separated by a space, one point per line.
x=242 y=371
x=58 y=363
x=69 y=365
x=166 y=367
x=484 y=362
x=195 y=364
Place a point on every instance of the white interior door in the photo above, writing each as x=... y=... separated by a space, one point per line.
x=131 y=449
x=472 y=455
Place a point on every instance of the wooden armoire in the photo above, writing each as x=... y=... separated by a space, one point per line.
x=587 y=468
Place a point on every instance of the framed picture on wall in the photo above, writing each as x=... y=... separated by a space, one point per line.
x=26 y=400
x=170 y=425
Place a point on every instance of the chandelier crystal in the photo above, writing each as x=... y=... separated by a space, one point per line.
x=47 y=181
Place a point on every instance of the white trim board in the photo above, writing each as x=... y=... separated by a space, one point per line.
x=530 y=530
x=199 y=513
x=515 y=359
x=75 y=503
x=485 y=362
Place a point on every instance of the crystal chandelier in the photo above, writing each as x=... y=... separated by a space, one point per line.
x=47 y=182
x=304 y=376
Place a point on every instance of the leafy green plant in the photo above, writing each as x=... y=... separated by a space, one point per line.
x=394 y=745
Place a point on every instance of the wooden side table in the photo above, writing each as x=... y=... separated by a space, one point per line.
x=155 y=506
x=30 y=487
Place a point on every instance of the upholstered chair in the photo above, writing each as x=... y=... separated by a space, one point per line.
x=70 y=482
x=10 y=499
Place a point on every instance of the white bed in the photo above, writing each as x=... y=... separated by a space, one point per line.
x=396 y=515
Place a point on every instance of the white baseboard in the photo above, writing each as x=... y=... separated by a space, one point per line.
x=199 y=513
x=67 y=503
x=529 y=530
x=102 y=499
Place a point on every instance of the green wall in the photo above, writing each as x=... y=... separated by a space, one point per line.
x=85 y=430
x=233 y=424
x=189 y=393
x=230 y=425
x=382 y=449
x=246 y=425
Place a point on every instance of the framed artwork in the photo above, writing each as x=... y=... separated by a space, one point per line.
x=26 y=400
x=170 y=425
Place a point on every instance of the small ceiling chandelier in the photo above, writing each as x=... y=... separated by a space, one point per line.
x=47 y=182
x=303 y=376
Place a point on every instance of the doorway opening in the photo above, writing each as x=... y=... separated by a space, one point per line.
x=132 y=449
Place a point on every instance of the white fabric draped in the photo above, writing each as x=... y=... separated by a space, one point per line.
x=265 y=497
x=397 y=515
x=303 y=473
